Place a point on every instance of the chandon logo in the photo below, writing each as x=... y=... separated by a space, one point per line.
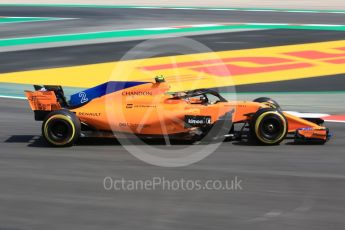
x=137 y=93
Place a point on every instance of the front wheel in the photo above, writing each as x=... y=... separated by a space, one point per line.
x=61 y=128
x=268 y=127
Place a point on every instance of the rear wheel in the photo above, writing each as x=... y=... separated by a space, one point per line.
x=268 y=101
x=268 y=127
x=61 y=128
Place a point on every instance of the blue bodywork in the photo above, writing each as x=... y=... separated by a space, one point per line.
x=87 y=95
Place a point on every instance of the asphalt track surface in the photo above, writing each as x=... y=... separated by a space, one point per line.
x=283 y=187
x=286 y=187
x=114 y=51
x=92 y=19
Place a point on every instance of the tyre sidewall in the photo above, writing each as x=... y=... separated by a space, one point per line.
x=66 y=117
x=256 y=120
x=268 y=101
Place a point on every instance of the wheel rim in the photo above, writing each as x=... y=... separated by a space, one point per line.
x=271 y=128
x=59 y=130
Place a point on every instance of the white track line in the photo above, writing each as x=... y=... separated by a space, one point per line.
x=335 y=121
x=37 y=19
x=12 y=97
x=160 y=28
x=243 y=10
x=307 y=115
x=180 y=27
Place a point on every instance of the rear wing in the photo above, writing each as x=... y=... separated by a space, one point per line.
x=45 y=99
x=42 y=100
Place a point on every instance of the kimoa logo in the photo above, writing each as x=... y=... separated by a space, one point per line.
x=137 y=93
x=193 y=121
x=199 y=121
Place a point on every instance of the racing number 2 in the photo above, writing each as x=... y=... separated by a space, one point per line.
x=83 y=97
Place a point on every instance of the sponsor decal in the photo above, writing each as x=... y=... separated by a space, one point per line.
x=145 y=106
x=197 y=121
x=132 y=125
x=245 y=65
x=306 y=129
x=89 y=114
x=137 y=93
x=130 y=106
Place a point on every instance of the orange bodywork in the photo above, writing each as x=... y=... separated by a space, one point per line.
x=156 y=113
x=42 y=100
x=299 y=123
x=148 y=109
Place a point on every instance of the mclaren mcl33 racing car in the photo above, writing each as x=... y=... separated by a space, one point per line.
x=147 y=110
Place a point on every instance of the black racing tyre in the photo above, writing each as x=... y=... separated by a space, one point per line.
x=268 y=127
x=61 y=128
x=268 y=101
